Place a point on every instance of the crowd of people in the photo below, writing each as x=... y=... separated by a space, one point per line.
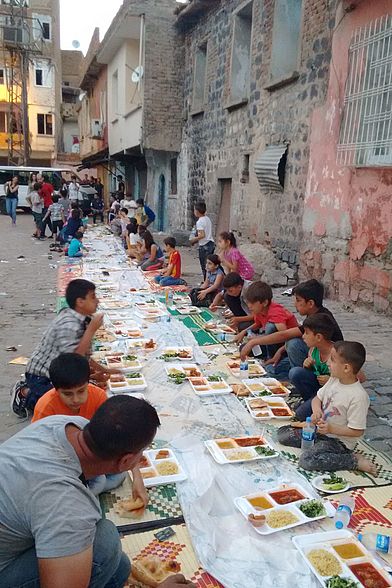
x=81 y=443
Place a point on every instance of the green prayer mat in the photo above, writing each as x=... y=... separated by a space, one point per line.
x=195 y=323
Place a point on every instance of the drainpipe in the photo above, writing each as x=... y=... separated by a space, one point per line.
x=141 y=81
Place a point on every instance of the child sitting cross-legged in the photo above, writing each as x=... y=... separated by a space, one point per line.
x=339 y=410
x=171 y=275
x=73 y=395
x=318 y=330
x=268 y=317
x=76 y=245
x=212 y=284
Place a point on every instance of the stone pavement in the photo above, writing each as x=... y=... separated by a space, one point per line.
x=358 y=324
x=27 y=303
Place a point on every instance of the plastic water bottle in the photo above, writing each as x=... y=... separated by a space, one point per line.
x=376 y=542
x=170 y=298
x=308 y=434
x=244 y=370
x=343 y=513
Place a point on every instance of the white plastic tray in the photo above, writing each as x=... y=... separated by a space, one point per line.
x=187 y=309
x=268 y=410
x=124 y=364
x=177 y=350
x=128 y=386
x=156 y=479
x=305 y=543
x=237 y=372
x=221 y=455
x=246 y=508
x=208 y=389
x=182 y=368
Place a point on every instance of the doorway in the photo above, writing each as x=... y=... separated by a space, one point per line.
x=224 y=215
x=161 y=202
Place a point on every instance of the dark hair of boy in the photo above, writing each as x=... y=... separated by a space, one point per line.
x=79 y=235
x=231 y=280
x=310 y=290
x=352 y=353
x=171 y=242
x=75 y=214
x=69 y=370
x=55 y=198
x=200 y=206
x=320 y=323
x=121 y=425
x=75 y=205
x=78 y=289
x=259 y=292
x=132 y=226
x=37 y=186
x=124 y=210
x=140 y=202
x=141 y=229
x=213 y=258
x=226 y=236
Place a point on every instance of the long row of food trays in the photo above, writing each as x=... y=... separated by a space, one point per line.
x=337 y=558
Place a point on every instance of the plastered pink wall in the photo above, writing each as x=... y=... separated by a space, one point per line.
x=347 y=219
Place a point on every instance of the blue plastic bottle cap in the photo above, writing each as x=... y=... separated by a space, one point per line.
x=308 y=419
x=339 y=525
x=360 y=536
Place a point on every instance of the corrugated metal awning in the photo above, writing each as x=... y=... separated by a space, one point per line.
x=269 y=167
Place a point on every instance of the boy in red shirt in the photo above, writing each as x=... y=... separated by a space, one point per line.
x=268 y=316
x=73 y=395
x=46 y=192
x=171 y=275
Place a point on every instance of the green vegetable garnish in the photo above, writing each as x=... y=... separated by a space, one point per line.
x=177 y=378
x=214 y=378
x=264 y=393
x=338 y=582
x=334 y=482
x=134 y=376
x=312 y=508
x=131 y=357
x=265 y=451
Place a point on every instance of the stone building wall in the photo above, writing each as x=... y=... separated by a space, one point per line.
x=216 y=141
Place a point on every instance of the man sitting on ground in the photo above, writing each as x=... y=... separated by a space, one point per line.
x=52 y=533
x=71 y=331
x=233 y=295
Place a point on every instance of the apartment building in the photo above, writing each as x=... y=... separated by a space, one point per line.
x=144 y=61
x=69 y=144
x=30 y=52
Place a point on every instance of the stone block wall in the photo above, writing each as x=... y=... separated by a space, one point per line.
x=215 y=141
x=163 y=82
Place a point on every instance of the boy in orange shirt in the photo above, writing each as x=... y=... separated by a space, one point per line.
x=171 y=275
x=268 y=316
x=73 y=395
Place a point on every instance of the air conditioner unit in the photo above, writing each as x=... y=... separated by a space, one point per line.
x=96 y=129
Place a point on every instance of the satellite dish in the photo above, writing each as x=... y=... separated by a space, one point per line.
x=82 y=96
x=137 y=74
x=75 y=44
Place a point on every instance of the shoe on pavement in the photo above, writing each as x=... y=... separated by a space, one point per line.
x=18 y=401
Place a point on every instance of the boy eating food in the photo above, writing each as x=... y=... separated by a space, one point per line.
x=268 y=316
x=339 y=410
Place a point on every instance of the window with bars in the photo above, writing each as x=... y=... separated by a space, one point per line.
x=366 y=129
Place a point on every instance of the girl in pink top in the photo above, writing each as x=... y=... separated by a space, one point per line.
x=232 y=258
